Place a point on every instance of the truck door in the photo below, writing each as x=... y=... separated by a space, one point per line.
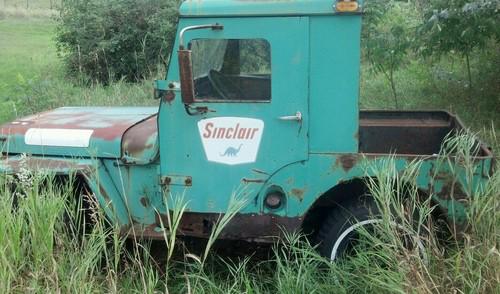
x=250 y=114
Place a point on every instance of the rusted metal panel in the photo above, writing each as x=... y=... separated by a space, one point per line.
x=186 y=76
x=347 y=161
x=403 y=132
x=248 y=227
x=407 y=132
x=105 y=124
x=140 y=142
x=56 y=165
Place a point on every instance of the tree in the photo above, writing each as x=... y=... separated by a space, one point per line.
x=459 y=26
x=385 y=40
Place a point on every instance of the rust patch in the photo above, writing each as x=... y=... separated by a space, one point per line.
x=176 y=180
x=452 y=190
x=186 y=76
x=140 y=138
x=104 y=194
x=105 y=127
x=144 y=201
x=257 y=228
x=298 y=193
x=441 y=175
x=34 y=163
x=347 y=161
x=169 y=96
x=166 y=181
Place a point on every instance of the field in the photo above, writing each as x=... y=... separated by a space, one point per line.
x=32 y=77
x=27 y=55
x=38 y=254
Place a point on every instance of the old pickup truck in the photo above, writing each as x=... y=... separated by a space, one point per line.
x=263 y=97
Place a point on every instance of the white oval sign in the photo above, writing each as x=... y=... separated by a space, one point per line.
x=231 y=140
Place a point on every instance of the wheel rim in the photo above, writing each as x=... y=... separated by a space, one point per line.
x=341 y=238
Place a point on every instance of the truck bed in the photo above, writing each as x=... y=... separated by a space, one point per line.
x=406 y=132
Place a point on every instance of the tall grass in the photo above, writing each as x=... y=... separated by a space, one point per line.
x=37 y=254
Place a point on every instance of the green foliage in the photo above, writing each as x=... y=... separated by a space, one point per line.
x=442 y=84
x=459 y=26
x=117 y=39
x=386 y=39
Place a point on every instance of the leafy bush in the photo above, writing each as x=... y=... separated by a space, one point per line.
x=459 y=26
x=116 y=39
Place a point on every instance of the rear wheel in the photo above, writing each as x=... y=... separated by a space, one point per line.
x=340 y=232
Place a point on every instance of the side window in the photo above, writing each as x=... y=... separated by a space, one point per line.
x=236 y=70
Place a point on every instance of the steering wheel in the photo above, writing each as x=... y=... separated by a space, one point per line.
x=224 y=86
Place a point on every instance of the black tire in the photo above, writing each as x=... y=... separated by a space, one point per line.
x=341 y=219
x=339 y=231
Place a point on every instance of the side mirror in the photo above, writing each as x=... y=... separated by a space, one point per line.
x=186 y=75
x=186 y=64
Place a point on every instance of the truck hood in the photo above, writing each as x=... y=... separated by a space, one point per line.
x=73 y=131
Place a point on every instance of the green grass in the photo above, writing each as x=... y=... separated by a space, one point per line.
x=27 y=54
x=32 y=77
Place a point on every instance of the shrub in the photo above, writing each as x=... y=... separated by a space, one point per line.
x=115 y=39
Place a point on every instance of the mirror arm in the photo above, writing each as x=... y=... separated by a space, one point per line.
x=215 y=26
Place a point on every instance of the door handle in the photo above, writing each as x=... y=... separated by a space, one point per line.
x=296 y=117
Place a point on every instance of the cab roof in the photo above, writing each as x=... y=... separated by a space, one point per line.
x=211 y=8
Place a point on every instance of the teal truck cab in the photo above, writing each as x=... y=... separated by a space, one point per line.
x=263 y=99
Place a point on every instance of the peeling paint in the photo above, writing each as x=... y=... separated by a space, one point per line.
x=298 y=193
